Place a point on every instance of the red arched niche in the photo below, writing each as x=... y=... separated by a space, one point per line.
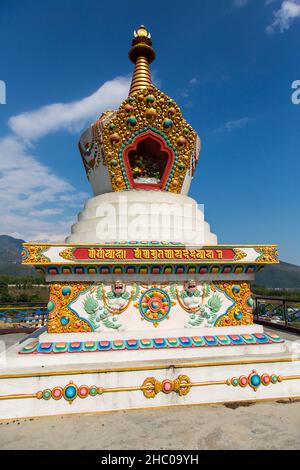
x=148 y=161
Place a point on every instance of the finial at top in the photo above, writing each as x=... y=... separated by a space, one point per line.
x=141 y=54
x=142 y=32
x=142 y=45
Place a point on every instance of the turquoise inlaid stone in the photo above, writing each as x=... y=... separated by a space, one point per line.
x=255 y=380
x=66 y=291
x=70 y=392
x=150 y=99
x=50 y=306
x=167 y=124
x=236 y=289
x=238 y=315
x=46 y=394
x=93 y=391
x=131 y=121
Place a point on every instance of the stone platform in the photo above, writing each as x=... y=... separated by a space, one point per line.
x=39 y=383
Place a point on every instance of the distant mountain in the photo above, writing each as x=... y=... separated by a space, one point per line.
x=10 y=258
x=282 y=275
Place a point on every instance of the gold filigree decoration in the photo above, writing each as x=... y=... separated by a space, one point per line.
x=36 y=254
x=239 y=254
x=267 y=254
x=68 y=254
x=241 y=312
x=151 y=386
x=150 y=108
x=61 y=319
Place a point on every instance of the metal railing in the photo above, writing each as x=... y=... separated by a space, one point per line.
x=278 y=312
x=14 y=318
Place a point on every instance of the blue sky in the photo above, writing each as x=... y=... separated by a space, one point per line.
x=229 y=64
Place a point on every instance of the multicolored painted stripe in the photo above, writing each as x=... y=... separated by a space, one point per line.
x=154 y=343
x=150 y=269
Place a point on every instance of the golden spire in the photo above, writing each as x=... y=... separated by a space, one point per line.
x=141 y=54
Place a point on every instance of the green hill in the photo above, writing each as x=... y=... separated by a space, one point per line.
x=282 y=275
x=10 y=258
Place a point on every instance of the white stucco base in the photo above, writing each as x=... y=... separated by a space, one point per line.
x=142 y=215
x=121 y=374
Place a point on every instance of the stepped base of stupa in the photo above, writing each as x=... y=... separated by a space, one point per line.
x=234 y=364
x=142 y=215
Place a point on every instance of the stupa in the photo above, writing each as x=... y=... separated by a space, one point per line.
x=146 y=309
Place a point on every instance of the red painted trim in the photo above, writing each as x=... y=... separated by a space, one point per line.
x=163 y=147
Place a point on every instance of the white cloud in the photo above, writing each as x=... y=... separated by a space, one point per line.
x=31 y=193
x=240 y=3
x=45 y=212
x=288 y=12
x=189 y=88
x=72 y=116
x=193 y=81
x=237 y=124
x=234 y=124
x=35 y=202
